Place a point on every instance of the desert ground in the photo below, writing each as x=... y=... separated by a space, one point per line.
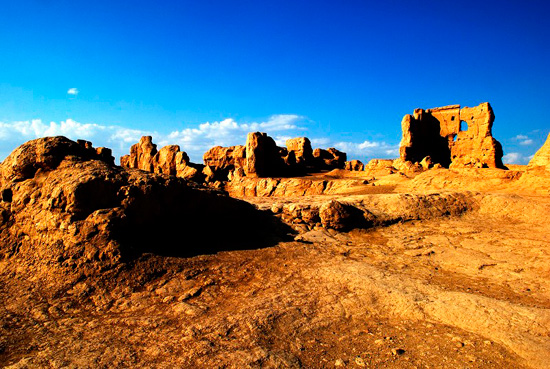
x=107 y=267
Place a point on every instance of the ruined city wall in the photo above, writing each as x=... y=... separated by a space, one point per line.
x=439 y=134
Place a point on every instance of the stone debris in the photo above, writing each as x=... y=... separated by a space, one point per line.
x=339 y=363
x=359 y=361
x=397 y=351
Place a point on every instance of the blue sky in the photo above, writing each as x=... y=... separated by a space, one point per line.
x=202 y=73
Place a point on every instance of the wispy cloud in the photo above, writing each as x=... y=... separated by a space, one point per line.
x=523 y=140
x=228 y=132
x=73 y=91
x=369 y=149
x=527 y=142
x=515 y=158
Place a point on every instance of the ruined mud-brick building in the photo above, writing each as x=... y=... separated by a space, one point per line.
x=260 y=157
x=452 y=137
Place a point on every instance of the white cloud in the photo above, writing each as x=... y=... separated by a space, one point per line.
x=369 y=149
x=228 y=132
x=73 y=91
x=526 y=142
x=523 y=140
x=281 y=140
x=320 y=142
x=515 y=158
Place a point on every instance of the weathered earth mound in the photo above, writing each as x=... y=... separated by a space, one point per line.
x=64 y=205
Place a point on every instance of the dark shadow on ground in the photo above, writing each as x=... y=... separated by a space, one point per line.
x=188 y=222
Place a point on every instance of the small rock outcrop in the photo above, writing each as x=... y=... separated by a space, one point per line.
x=330 y=158
x=452 y=137
x=141 y=155
x=340 y=216
x=542 y=156
x=301 y=148
x=354 y=165
x=427 y=162
x=170 y=160
x=46 y=154
x=223 y=161
x=263 y=157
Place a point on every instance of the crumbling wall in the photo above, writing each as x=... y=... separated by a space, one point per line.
x=259 y=157
x=168 y=160
x=263 y=157
x=221 y=161
x=452 y=137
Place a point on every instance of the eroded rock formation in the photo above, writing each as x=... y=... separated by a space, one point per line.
x=354 y=165
x=263 y=157
x=260 y=157
x=223 y=161
x=168 y=160
x=330 y=158
x=452 y=137
x=83 y=248
x=542 y=156
x=45 y=154
x=301 y=148
x=65 y=206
